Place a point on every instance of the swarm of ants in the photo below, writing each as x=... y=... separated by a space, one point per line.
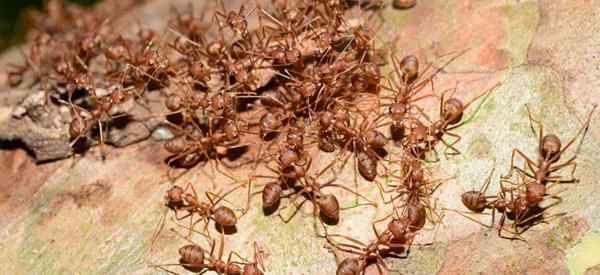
x=297 y=82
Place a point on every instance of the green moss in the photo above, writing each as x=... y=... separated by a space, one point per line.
x=480 y=148
x=563 y=234
x=584 y=254
x=522 y=23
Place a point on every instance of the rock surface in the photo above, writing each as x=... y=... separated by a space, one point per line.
x=88 y=216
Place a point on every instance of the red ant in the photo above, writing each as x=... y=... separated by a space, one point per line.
x=522 y=207
x=180 y=200
x=397 y=237
x=423 y=138
x=549 y=152
x=366 y=142
x=194 y=258
x=324 y=204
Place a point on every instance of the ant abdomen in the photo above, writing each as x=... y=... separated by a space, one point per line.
x=453 y=111
x=77 y=127
x=192 y=255
x=474 y=201
x=410 y=69
x=224 y=216
x=349 y=266
x=417 y=216
x=329 y=206
x=367 y=166
x=271 y=194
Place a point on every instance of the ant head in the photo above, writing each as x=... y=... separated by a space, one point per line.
x=174 y=102
x=398 y=227
x=278 y=55
x=342 y=115
x=452 y=111
x=397 y=111
x=295 y=139
x=176 y=145
x=174 y=194
x=417 y=173
x=189 y=198
x=551 y=146
x=376 y=139
x=15 y=79
x=403 y=4
x=293 y=56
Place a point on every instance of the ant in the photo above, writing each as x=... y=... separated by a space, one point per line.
x=194 y=258
x=367 y=143
x=523 y=207
x=180 y=200
x=103 y=113
x=414 y=187
x=549 y=152
x=190 y=148
x=292 y=164
x=406 y=83
x=324 y=205
x=235 y=20
x=398 y=236
x=424 y=138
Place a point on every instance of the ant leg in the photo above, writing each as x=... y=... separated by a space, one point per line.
x=382 y=191
x=451 y=145
x=331 y=184
x=378 y=221
x=581 y=130
x=317 y=217
x=528 y=161
x=570 y=162
x=466 y=215
x=220 y=197
x=162 y=267
x=217 y=162
x=348 y=248
x=355 y=241
x=295 y=210
x=159 y=228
